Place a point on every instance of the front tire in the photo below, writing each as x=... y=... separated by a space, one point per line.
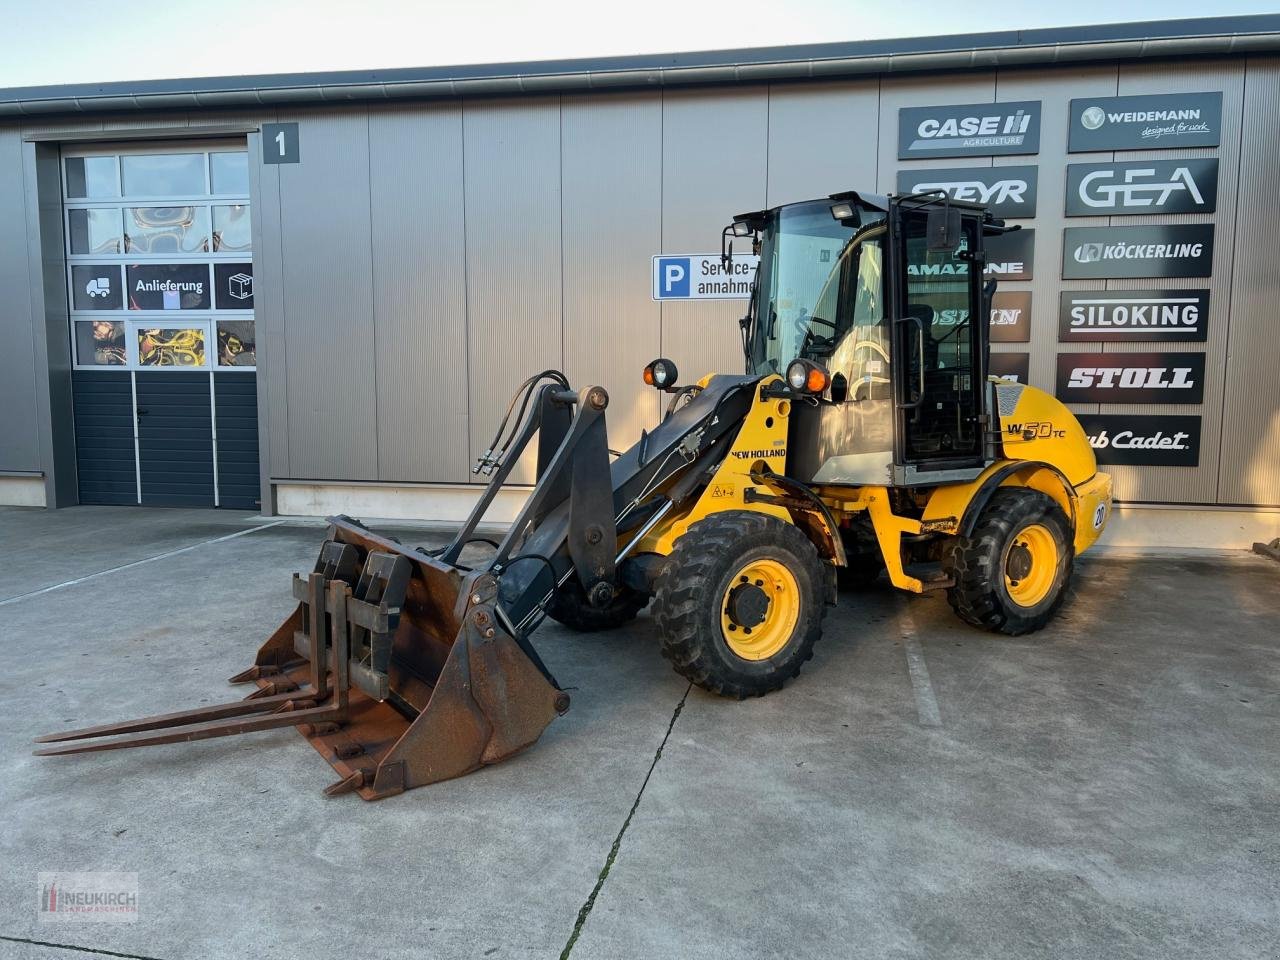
x=569 y=605
x=739 y=603
x=1011 y=575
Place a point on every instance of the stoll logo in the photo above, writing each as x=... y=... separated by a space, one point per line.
x=1131 y=377
x=1165 y=250
x=1147 y=186
x=1143 y=441
x=971 y=129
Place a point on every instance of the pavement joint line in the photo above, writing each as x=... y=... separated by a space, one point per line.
x=72 y=946
x=926 y=703
x=590 y=902
x=138 y=563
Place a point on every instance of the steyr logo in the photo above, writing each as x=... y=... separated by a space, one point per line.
x=1005 y=191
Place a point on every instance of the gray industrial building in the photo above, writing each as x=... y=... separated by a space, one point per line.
x=316 y=292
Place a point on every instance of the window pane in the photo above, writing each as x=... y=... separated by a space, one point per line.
x=168 y=286
x=100 y=342
x=92 y=177
x=96 y=287
x=95 y=231
x=166 y=230
x=231 y=228
x=229 y=173
x=237 y=346
x=168 y=347
x=163 y=174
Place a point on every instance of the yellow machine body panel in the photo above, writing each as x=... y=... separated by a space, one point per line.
x=762 y=440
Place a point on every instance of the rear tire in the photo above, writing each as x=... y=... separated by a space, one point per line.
x=739 y=603
x=570 y=606
x=1012 y=574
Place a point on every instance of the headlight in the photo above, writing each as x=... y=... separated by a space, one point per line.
x=661 y=373
x=805 y=376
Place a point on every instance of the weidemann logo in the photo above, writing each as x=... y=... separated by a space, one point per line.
x=1157 y=120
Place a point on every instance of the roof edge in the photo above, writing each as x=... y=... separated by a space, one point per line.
x=1210 y=36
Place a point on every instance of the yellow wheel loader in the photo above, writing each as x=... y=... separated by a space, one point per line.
x=864 y=439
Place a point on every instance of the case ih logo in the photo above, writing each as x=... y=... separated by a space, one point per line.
x=1131 y=377
x=1145 y=186
x=1143 y=441
x=1134 y=315
x=1005 y=191
x=973 y=129
x=1145 y=123
x=1166 y=250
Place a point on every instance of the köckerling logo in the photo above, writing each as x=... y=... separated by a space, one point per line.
x=1097 y=252
x=1093 y=118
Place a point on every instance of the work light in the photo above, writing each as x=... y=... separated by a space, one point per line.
x=741 y=228
x=805 y=376
x=842 y=210
x=661 y=373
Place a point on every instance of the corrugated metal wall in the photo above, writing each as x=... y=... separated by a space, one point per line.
x=421 y=260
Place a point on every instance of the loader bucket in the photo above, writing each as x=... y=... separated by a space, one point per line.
x=397 y=667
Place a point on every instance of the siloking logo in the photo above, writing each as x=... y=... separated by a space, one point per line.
x=1163 y=120
x=1131 y=377
x=1134 y=315
x=971 y=129
x=1143 y=441
x=1163 y=250
x=1142 y=186
x=1005 y=191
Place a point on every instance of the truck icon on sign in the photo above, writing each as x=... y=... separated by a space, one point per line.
x=98 y=287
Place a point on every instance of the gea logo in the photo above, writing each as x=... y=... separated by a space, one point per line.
x=1133 y=378
x=1096 y=191
x=1143 y=186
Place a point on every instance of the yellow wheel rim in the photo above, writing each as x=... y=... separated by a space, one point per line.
x=760 y=609
x=1030 y=565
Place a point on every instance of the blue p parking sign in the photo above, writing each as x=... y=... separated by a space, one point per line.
x=703 y=276
x=673 y=277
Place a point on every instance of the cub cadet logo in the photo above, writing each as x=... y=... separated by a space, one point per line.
x=759 y=454
x=1099 y=190
x=1132 y=378
x=1130 y=440
x=1035 y=430
x=1097 y=252
x=988 y=194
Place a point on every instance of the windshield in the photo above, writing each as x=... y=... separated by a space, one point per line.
x=810 y=285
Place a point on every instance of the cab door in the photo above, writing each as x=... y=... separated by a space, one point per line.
x=940 y=341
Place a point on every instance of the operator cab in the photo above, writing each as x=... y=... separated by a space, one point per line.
x=881 y=293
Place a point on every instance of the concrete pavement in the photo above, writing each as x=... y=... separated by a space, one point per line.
x=1105 y=788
